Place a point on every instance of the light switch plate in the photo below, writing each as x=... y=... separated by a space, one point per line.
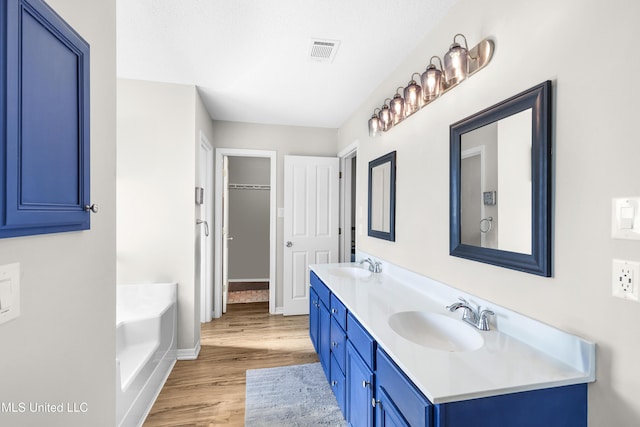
x=625 y=218
x=9 y=292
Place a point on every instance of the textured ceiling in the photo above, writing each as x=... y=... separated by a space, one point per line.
x=250 y=58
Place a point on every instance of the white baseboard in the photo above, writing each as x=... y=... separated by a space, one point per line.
x=189 y=353
x=279 y=310
x=248 y=280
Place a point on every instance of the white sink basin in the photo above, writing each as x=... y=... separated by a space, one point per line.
x=435 y=331
x=350 y=272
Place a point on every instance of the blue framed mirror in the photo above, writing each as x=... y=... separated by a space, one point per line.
x=382 y=197
x=500 y=183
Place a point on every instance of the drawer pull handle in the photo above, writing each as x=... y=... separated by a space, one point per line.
x=366 y=384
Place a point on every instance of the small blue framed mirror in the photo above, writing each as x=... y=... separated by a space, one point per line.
x=382 y=197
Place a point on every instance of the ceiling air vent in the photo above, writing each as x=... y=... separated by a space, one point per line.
x=323 y=50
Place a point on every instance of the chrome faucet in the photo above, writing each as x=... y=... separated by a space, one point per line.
x=476 y=317
x=374 y=266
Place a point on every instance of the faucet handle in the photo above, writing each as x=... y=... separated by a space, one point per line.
x=483 y=319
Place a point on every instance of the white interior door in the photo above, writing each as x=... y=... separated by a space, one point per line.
x=310 y=224
x=225 y=233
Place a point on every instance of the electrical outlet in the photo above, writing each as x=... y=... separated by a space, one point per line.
x=625 y=280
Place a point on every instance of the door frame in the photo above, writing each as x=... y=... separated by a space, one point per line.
x=206 y=291
x=344 y=243
x=217 y=283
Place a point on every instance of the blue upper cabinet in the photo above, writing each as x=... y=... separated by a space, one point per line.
x=44 y=170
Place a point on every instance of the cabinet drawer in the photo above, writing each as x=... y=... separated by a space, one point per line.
x=361 y=341
x=321 y=289
x=339 y=311
x=338 y=343
x=408 y=400
x=338 y=385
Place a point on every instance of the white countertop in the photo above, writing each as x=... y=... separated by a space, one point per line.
x=504 y=364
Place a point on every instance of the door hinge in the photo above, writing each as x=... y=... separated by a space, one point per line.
x=339 y=230
x=340 y=175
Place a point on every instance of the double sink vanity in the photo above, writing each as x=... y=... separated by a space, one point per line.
x=396 y=351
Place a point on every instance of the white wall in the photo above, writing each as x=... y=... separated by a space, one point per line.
x=286 y=140
x=158 y=146
x=62 y=347
x=584 y=48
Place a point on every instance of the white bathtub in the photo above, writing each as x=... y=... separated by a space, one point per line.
x=146 y=317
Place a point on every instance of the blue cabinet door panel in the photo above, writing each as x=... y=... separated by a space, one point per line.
x=313 y=318
x=338 y=385
x=410 y=402
x=338 y=343
x=387 y=414
x=361 y=340
x=560 y=406
x=324 y=339
x=46 y=138
x=359 y=394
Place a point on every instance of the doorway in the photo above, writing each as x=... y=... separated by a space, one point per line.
x=248 y=230
x=254 y=173
x=348 y=169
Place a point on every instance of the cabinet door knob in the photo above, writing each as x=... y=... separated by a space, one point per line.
x=93 y=208
x=334 y=383
x=334 y=310
x=365 y=384
x=334 y=344
x=374 y=402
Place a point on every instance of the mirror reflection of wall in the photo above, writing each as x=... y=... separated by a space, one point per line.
x=496 y=184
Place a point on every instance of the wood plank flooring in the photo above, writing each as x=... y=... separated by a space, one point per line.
x=210 y=391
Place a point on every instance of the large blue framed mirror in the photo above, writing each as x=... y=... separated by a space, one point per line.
x=382 y=197
x=500 y=183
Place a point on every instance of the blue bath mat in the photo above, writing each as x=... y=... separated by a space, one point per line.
x=286 y=396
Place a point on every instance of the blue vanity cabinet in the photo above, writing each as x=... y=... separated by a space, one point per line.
x=359 y=393
x=558 y=406
x=44 y=105
x=320 y=322
x=314 y=308
x=338 y=351
x=338 y=384
x=361 y=364
x=398 y=400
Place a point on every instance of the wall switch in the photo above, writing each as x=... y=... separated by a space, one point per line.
x=624 y=282
x=9 y=292
x=625 y=218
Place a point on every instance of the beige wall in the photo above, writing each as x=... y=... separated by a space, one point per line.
x=62 y=347
x=583 y=47
x=286 y=140
x=158 y=145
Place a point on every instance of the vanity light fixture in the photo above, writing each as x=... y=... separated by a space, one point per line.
x=397 y=107
x=375 y=124
x=456 y=64
x=412 y=96
x=432 y=81
x=385 y=116
x=460 y=63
